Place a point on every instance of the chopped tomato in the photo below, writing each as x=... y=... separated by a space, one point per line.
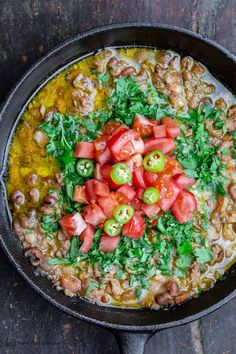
x=139 y=193
x=172 y=168
x=172 y=129
x=135 y=227
x=106 y=174
x=87 y=236
x=93 y=214
x=128 y=191
x=85 y=150
x=165 y=145
x=108 y=204
x=110 y=127
x=136 y=161
x=89 y=190
x=125 y=143
x=184 y=206
x=143 y=125
x=102 y=153
x=121 y=198
x=138 y=178
x=169 y=192
x=108 y=243
x=97 y=172
x=150 y=178
x=183 y=181
x=80 y=195
x=151 y=210
x=159 y=131
x=101 y=188
x=72 y=224
x=136 y=204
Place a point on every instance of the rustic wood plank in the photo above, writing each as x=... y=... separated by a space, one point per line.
x=28 y=30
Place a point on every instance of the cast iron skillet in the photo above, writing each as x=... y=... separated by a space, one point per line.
x=131 y=327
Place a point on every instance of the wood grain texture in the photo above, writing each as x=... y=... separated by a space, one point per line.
x=29 y=29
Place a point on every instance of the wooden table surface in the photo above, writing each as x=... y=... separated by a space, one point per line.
x=29 y=29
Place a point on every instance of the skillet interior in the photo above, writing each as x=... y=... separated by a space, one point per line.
x=219 y=62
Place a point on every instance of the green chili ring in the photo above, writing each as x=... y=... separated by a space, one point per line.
x=154 y=161
x=121 y=174
x=85 y=167
x=151 y=195
x=112 y=227
x=124 y=213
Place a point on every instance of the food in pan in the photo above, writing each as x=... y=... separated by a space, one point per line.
x=122 y=179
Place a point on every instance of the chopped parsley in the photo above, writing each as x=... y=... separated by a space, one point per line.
x=198 y=155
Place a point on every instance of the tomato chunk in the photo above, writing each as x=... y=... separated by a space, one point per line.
x=139 y=193
x=89 y=190
x=172 y=129
x=150 y=178
x=138 y=178
x=87 y=236
x=128 y=191
x=80 y=195
x=136 y=161
x=93 y=214
x=143 y=125
x=172 y=168
x=159 y=131
x=135 y=227
x=85 y=150
x=165 y=145
x=151 y=210
x=102 y=153
x=183 y=181
x=108 y=243
x=184 y=206
x=72 y=224
x=110 y=127
x=97 y=172
x=101 y=188
x=106 y=174
x=169 y=192
x=108 y=204
x=125 y=143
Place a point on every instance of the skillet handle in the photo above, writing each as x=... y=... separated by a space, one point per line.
x=132 y=342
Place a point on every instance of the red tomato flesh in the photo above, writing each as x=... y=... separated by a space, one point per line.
x=159 y=131
x=108 y=244
x=172 y=129
x=183 y=181
x=102 y=154
x=85 y=150
x=136 y=161
x=87 y=236
x=108 y=205
x=125 y=143
x=72 y=224
x=138 y=178
x=143 y=125
x=93 y=214
x=150 y=178
x=89 y=190
x=128 y=191
x=165 y=145
x=135 y=227
x=80 y=195
x=184 y=206
x=101 y=188
x=169 y=192
x=151 y=210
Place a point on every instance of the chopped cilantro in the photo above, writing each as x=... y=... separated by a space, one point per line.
x=198 y=155
x=203 y=254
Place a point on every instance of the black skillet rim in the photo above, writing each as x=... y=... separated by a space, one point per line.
x=13 y=260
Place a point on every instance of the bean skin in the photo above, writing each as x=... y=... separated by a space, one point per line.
x=164 y=299
x=232 y=191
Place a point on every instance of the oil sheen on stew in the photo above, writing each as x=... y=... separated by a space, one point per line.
x=122 y=179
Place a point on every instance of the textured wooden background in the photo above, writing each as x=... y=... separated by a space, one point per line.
x=30 y=28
